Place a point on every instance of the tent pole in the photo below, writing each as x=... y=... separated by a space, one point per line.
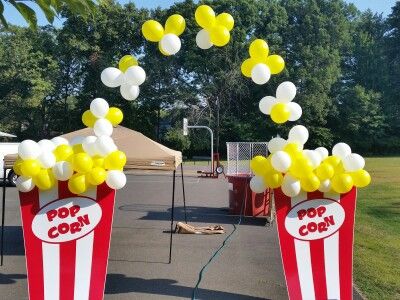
x=183 y=192
x=172 y=216
x=3 y=215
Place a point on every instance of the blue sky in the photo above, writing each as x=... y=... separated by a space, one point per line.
x=378 y=6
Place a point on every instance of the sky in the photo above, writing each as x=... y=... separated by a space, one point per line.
x=378 y=6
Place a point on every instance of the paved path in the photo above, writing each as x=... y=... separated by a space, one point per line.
x=248 y=268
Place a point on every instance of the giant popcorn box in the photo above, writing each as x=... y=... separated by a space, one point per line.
x=67 y=241
x=316 y=240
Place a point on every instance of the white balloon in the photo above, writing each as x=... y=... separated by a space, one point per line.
x=295 y=111
x=129 y=92
x=203 y=40
x=112 y=77
x=257 y=184
x=62 y=170
x=290 y=186
x=116 y=179
x=29 y=149
x=46 y=145
x=58 y=140
x=89 y=145
x=47 y=159
x=99 y=107
x=285 y=92
x=298 y=134
x=102 y=127
x=281 y=161
x=314 y=157
x=25 y=184
x=323 y=152
x=266 y=104
x=170 y=43
x=353 y=162
x=260 y=73
x=276 y=144
x=341 y=150
x=105 y=145
x=76 y=140
x=135 y=75
x=325 y=186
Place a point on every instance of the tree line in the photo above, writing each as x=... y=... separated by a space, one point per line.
x=345 y=64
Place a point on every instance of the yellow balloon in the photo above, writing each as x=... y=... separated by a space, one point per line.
x=280 y=113
x=115 y=115
x=205 y=16
x=77 y=184
x=219 y=35
x=81 y=162
x=30 y=167
x=310 y=182
x=226 y=20
x=361 y=178
x=247 y=66
x=17 y=166
x=162 y=51
x=339 y=168
x=98 y=161
x=325 y=171
x=275 y=63
x=63 y=152
x=300 y=167
x=96 y=176
x=152 y=31
x=333 y=160
x=88 y=119
x=259 y=49
x=175 y=24
x=77 y=148
x=260 y=165
x=273 y=180
x=44 y=180
x=294 y=150
x=342 y=183
x=115 y=160
x=127 y=61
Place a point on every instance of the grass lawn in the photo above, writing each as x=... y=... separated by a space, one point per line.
x=377 y=232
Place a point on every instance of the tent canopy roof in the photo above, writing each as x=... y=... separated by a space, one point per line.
x=141 y=152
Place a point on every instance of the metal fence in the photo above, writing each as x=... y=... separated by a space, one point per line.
x=239 y=155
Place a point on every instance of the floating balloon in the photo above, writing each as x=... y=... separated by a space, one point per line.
x=266 y=104
x=259 y=49
x=44 y=180
x=309 y=182
x=260 y=165
x=99 y=107
x=325 y=186
x=342 y=183
x=135 y=75
x=361 y=178
x=46 y=145
x=353 y=162
x=273 y=180
x=116 y=179
x=88 y=119
x=257 y=184
x=29 y=149
x=129 y=92
x=115 y=160
x=30 y=167
x=112 y=77
x=62 y=170
x=285 y=92
x=219 y=35
x=170 y=44
x=77 y=184
x=276 y=144
x=175 y=24
x=89 y=145
x=323 y=152
x=96 y=176
x=280 y=113
x=126 y=62
x=225 y=20
x=260 y=73
x=325 y=171
x=298 y=134
x=281 y=161
x=205 y=16
x=47 y=159
x=152 y=31
x=295 y=111
x=103 y=127
x=63 y=152
x=275 y=63
x=25 y=184
x=203 y=40
x=114 y=115
x=105 y=145
x=82 y=162
x=341 y=150
x=290 y=186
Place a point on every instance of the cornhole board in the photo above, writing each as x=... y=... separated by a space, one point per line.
x=316 y=234
x=67 y=241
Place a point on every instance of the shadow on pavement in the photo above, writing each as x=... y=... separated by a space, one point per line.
x=119 y=283
x=13 y=240
x=197 y=214
x=10 y=278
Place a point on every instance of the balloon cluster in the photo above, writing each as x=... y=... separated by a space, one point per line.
x=128 y=77
x=168 y=39
x=216 y=29
x=261 y=65
x=295 y=169
x=84 y=161
x=280 y=108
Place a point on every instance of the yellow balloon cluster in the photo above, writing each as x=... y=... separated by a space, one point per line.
x=216 y=28
x=168 y=38
x=114 y=115
x=83 y=162
x=261 y=65
x=126 y=62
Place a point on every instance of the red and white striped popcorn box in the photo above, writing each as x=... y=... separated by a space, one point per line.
x=316 y=233
x=67 y=241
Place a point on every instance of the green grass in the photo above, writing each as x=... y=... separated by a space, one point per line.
x=377 y=231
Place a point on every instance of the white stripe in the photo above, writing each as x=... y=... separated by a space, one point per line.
x=331 y=256
x=51 y=255
x=83 y=267
x=303 y=258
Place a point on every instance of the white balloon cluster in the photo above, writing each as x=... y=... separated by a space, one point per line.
x=99 y=108
x=285 y=93
x=128 y=82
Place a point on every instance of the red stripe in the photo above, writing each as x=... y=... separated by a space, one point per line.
x=286 y=242
x=67 y=255
x=33 y=246
x=346 y=235
x=101 y=243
